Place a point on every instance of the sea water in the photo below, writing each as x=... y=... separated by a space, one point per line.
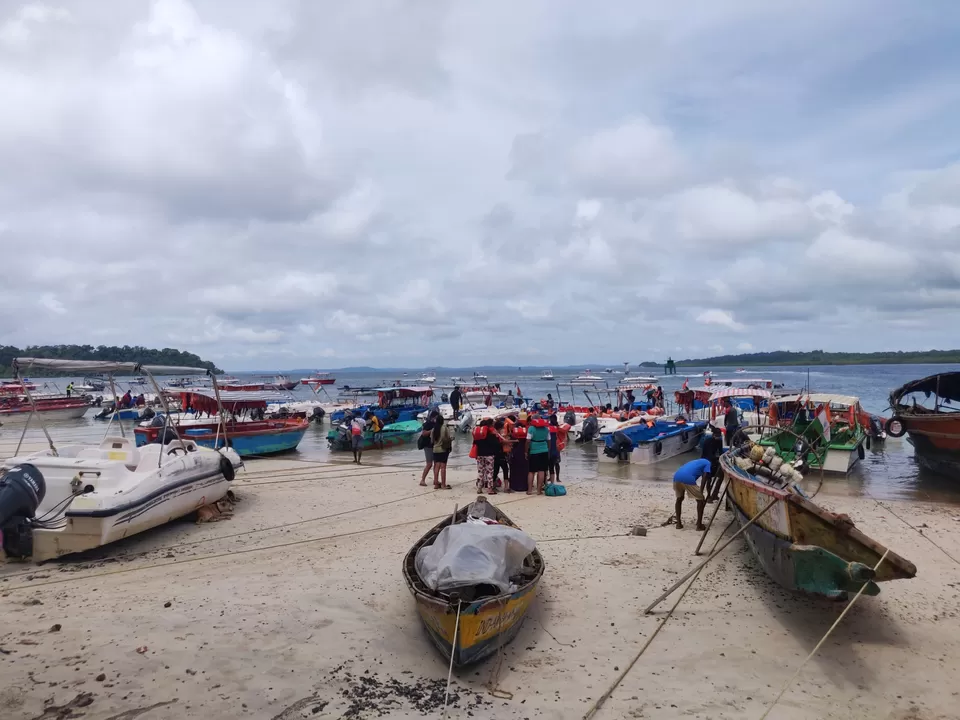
x=888 y=471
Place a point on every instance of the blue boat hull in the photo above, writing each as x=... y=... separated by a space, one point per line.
x=248 y=445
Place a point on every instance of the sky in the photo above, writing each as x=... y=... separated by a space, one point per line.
x=426 y=182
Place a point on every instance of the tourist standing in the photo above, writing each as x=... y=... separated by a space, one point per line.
x=426 y=442
x=502 y=458
x=488 y=443
x=456 y=399
x=553 y=453
x=442 y=445
x=538 y=454
x=518 y=458
x=357 y=427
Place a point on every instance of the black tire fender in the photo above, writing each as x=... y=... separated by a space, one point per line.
x=684 y=437
x=226 y=467
x=657 y=447
x=868 y=443
x=860 y=451
x=896 y=427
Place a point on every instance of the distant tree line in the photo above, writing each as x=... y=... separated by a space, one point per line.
x=819 y=357
x=127 y=353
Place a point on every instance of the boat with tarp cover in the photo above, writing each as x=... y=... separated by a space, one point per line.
x=934 y=431
x=244 y=430
x=802 y=546
x=394 y=404
x=69 y=498
x=469 y=620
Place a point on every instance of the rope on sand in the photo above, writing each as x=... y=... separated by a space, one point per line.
x=453 y=650
x=912 y=527
x=822 y=640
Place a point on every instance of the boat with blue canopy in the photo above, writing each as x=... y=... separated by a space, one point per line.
x=394 y=404
x=644 y=441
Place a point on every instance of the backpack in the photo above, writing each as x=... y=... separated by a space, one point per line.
x=423 y=441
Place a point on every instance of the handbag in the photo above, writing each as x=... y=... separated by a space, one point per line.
x=422 y=441
x=555 y=490
x=446 y=442
x=473 y=451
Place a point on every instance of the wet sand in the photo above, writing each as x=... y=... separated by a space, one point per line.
x=295 y=608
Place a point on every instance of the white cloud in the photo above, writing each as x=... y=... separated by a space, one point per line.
x=745 y=347
x=719 y=317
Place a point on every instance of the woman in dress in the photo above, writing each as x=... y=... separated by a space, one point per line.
x=488 y=443
x=426 y=431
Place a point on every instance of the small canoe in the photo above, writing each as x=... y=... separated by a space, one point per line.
x=802 y=546
x=486 y=623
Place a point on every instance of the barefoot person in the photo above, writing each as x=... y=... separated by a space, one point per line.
x=442 y=445
x=685 y=483
x=427 y=444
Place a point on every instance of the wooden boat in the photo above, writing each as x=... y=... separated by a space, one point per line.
x=797 y=415
x=933 y=432
x=250 y=437
x=401 y=433
x=486 y=623
x=802 y=546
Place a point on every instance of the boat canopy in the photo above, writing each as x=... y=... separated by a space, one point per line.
x=635 y=386
x=727 y=392
x=945 y=386
x=104 y=366
x=205 y=399
x=387 y=395
x=847 y=400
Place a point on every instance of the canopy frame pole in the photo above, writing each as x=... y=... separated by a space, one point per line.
x=166 y=416
x=223 y=420
x=33 y=411
x=116 y=408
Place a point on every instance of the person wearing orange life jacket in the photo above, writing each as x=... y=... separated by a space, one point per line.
x=553 y=453
x=502 y=459
x=487 y=440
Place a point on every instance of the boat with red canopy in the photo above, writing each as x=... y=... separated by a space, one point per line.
x=245 y=431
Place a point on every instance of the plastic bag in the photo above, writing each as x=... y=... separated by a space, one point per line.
x=473 y=554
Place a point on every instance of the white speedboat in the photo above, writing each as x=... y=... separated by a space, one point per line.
x=547 y=375
x=587 y=377
x=480 y=377
x=72 y=498
x=638 y=380
x=427 y=378
x=456 y=379
x=95 y=495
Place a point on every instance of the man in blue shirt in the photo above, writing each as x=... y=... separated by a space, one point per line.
x=685 y=483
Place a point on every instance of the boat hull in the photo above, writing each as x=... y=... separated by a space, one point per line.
x=394 y=439
x=125 y=501
x=485 y=625
x=270 y=438
x=654 y=451
x=804 y=547
x=19 y=417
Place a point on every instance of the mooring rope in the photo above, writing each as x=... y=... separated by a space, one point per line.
x=453 y=650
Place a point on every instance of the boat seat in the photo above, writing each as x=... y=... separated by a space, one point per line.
x=123 y=449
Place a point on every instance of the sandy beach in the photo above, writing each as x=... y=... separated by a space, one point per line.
x=295 y=607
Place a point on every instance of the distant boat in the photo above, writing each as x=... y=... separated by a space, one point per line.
x=480 y=376
x=609 y=370
x=427 y=377
x=740 y=370
x=457 y=379
x=547 y=375
x=586 y=376
x=318 y=378
x=638 y=380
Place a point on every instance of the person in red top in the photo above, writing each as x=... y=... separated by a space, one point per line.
x=487 y=440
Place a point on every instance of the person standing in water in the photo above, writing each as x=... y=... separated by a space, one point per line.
x=456 y=398
x=357 y=427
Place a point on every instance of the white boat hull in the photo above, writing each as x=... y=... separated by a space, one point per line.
x=123 y=490
x=58 y=415
x=646 y=453
x=840 y=461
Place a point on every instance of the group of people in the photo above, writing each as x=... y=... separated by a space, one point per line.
x=524 y=448
x=358 y=426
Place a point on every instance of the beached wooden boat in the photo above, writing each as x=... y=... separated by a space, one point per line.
x=802 y=546
x=486 y=623
x=933 y=432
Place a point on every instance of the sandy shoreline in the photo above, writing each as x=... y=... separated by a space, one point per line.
x=295 y=607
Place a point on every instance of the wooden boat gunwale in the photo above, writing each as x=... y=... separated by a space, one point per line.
x=444 y=603
x=895 y=566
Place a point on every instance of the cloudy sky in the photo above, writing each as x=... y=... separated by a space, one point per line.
x=426 y=182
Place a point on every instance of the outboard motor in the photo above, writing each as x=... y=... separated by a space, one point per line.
x=444 y=398
x=147 y=414
x=620 y=447
x=570 y=417
x=22 y=490
x=318 y=415
x=591 y=427
x=466 y=422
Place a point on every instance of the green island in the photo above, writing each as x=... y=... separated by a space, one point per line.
x=127 y=353
x=819 y=357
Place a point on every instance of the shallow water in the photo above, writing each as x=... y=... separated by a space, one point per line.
x=887 y=472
